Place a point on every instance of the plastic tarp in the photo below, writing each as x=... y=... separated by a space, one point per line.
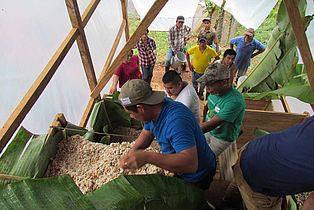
x=167 y=16
x=31 y=32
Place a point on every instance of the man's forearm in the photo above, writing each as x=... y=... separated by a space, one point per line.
x=257 y=53
x=182 y=162
x=143 y=141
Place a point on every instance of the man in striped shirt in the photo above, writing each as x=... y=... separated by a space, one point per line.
x=177 y=38
x=147 y=53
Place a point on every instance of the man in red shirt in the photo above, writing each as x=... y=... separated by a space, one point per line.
x=129 y=69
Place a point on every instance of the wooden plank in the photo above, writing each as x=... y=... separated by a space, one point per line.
x=256 y=104
x=41 y=82
x=11 y=177
x=147 y=20
x=113 y=49
x=299 y=31
x=87 y=112
x=124 y=5
x=266 y=120
x=90 y=9
x=285 y=104
x=82 y=44
x=92 y=101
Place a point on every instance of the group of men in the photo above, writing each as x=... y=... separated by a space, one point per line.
x=267 y=167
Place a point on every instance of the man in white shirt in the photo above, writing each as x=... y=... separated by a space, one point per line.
x=181 y=91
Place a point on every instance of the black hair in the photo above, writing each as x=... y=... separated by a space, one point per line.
x=171 y=77
x=147 y=31
x=132 y=108
x=229 y=52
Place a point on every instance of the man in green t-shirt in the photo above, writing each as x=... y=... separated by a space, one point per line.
x=226 y=108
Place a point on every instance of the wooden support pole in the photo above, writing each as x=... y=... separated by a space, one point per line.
x=82 y=44
x=41 y=82
x=88 y=111
x=124 y=5
x=147 y=20
x=299 y=31
x=92 y=101
x=11 y=177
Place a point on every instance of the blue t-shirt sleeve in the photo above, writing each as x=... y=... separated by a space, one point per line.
x=182 y=134
x=259 y=45
x=230 y=111
x=148 y=126
x=234 y=40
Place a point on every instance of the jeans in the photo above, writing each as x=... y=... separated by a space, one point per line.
x=195 y=76
x=147 y=72
x=168 y=58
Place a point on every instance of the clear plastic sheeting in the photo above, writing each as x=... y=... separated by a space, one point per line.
x=167 y=16
x=31 y=32
x=250 y=14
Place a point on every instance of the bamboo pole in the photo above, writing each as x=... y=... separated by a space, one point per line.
x=148 y=19
x=299 y=31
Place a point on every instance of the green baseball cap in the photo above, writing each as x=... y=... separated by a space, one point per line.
x=213 y=73
x=137 y=91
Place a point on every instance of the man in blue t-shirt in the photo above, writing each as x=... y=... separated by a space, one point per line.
x=276 y=165
x=245 y=47
x=181 y=140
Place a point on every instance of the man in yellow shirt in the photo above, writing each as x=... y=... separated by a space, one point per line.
x=202 y=56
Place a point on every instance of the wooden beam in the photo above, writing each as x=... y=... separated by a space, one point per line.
x=92 y=101
x=299 y=31
x=41 y=82
x=124 y=5
x=82 y=44
x=88 y=111
x=113 y=49
x=285 y=104
x=90 y=9
x=147 y=20
x=266 y=120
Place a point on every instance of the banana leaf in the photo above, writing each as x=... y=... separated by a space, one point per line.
x=148 y=192
x=272 y=76
x=48 y=193
x=107 y=115
x=28 y=155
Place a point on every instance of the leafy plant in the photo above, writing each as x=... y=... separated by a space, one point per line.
x=277 y=73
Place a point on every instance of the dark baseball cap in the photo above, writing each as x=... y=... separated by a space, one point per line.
x=180 y=18
x=137 y=91
x=202 y=37
x=213 y=73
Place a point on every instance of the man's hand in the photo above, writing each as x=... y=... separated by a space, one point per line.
x=133 y=160
x=113 y=89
